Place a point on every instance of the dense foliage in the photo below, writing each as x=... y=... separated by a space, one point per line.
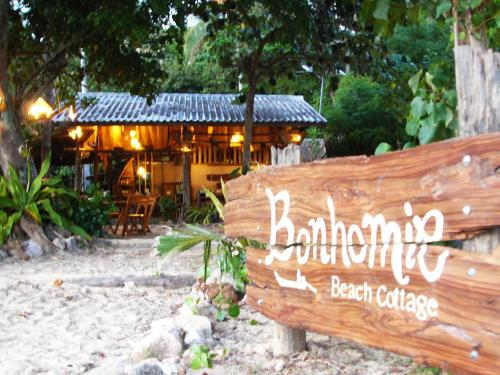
x=197 y=70
x=205 y=214
x=167 y=208
x=90 y=210
x=360 y=118
x=230 y=254
x=34 y=199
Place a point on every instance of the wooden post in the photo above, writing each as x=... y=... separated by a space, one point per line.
x=186 y=182
x=286 y=340
x=478 y=84
x=78 y=167
x=96 y=168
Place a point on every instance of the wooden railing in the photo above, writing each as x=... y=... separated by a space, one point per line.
x=209 y=154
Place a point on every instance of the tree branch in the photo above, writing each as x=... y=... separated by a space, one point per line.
x=272 y=62
x=81 y=36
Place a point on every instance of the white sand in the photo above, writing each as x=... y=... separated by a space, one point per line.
x=76 y=328
x=45 y=329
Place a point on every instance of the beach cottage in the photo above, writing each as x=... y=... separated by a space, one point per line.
x=178 y=143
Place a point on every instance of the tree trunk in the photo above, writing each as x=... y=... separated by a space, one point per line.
x=287 y=341
x=10 y=144
x=478 y=89
x=477 y=73
x=249 y=110
x=11 y=140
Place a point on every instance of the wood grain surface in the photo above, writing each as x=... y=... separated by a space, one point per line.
x=448 y=176
x=458 y=328
x=467 y=321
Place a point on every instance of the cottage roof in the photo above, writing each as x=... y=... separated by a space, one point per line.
x=110 y=108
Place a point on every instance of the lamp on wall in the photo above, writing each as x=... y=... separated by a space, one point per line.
x=76 y=133
x=142 y=173
x=236 y=140
x=134 y=140
x=40 y=110
x=295 y=137
x=186 y=149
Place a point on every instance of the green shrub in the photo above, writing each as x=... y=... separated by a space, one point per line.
x=230 y=252
x=200 y=215
x=361 y=118
x=167 y=208
x=202 y=357
x=34 y=199
x=91 y=211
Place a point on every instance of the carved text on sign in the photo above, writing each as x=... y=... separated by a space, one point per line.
x=415 y=237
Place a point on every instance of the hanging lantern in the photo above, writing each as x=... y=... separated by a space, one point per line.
x=295 y=138
x=134 y=140
x=236 y=140
x=40 y=110
x=142 y=173
x=76 y=133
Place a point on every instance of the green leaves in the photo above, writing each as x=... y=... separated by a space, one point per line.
x=221 y=315
x=202 y=358
x=32 y=210
x=417 y=107
x=383 y=148
x=217 y=203
x=34 y=200
x=412 y=126
x=443 y=7
x=34 y=188
x=432 y=111
x=427 y=131
x=234 y=310
x=382 y=9
x=414 y=81
x=185 y=239
x=54 y=216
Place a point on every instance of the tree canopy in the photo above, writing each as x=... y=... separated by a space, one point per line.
x=45 y=44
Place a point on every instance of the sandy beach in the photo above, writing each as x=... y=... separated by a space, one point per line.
x=56 y=320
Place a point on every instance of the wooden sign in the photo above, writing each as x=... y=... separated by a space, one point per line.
x=353 y=249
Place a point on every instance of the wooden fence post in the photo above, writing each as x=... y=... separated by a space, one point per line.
x=286 y=340
x=478 y=86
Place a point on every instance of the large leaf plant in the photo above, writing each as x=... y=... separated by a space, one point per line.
x=33 y=199
x=230 y=252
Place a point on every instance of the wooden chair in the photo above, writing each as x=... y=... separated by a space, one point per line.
x=138 y=212
x=153 y=200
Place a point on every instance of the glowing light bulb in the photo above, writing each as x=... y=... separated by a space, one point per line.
x=296 y=138
x=142 y=173
x=72 y=113
x=40 y=109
